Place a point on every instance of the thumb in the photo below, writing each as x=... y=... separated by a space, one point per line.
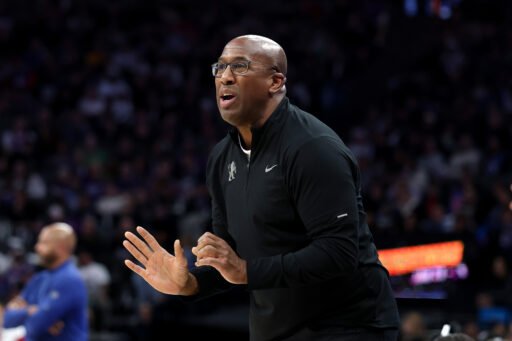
x=179 y=253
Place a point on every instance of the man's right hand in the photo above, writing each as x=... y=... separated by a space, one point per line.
x=166 y=273
x=17 y=303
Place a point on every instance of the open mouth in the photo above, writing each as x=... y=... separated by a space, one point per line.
x=227 y=97
x=226 y=100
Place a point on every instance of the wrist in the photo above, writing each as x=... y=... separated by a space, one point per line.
x=191 y=286
x=243 y=270
x=32 y=309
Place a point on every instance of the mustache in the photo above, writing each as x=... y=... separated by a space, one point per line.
x=228 y=89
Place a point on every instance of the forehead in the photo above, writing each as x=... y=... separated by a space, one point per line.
x=46 y=236
x=240 y=49
x=43 y=235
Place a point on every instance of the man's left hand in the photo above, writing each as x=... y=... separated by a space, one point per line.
x=214 y=251
x=56 y=328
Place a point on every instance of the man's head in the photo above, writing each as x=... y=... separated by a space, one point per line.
x=250 y=80
x=55 y=244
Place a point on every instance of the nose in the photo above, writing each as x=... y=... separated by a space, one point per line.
x=227 y=76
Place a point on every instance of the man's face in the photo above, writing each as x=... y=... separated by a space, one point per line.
x=242 y=98
x=46 y=249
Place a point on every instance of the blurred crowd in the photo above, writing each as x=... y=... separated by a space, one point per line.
x=107 y=115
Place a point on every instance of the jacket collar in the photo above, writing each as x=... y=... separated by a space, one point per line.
x=275 y=119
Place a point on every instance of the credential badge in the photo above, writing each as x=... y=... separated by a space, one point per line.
x=231 y=171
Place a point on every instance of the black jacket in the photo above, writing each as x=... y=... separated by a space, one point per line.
x=294 y=212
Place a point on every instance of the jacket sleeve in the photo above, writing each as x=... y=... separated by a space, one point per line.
x=323 y=183
x=15 y=317
x=61 y=299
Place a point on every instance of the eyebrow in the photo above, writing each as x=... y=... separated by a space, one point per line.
x=235 y=59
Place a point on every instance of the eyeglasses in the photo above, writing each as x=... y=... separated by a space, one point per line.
x=238 y=68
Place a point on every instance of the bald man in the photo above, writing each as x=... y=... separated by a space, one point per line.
x=287 y=213
x=53 y=304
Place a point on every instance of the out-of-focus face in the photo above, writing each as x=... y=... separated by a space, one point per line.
x=47 y=249
x=242 y=98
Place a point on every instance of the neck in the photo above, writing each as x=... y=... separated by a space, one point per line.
x=246 y=135
x=58 y=263
x=245 y=130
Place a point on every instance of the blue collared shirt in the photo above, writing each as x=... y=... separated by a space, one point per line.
x=60 y=295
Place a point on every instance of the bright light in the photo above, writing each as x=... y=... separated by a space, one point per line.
x=404 y=260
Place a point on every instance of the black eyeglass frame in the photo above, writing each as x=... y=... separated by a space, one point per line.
x=239 y=67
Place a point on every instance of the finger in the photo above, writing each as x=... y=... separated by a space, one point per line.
x=179 y=253
x=135 y=252
x=208 y=236
x=205 y=262
x=209 y=241
x=135 y=268
x=195 y=250
x=202 y=239
x=211 y=251
x=139 y=244
x=148 y=237
x=217 y=263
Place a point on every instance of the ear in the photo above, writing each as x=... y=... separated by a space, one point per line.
x=278 y=83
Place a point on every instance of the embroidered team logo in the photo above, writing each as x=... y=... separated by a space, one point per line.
x=231 y=171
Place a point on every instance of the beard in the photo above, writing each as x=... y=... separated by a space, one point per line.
x=48 y=260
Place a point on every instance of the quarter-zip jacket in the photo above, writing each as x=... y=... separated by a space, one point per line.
x=294 y=212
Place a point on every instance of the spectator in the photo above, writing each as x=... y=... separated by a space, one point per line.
x=53 y=304
x=97 y=281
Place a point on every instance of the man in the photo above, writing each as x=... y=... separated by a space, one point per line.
x=287 y=215
x=53 y=304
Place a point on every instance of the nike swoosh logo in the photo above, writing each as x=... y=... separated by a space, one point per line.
x=268 y=169
x=342 y=215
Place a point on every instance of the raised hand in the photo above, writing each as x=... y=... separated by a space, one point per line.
x=216 y=252
x=165 y=272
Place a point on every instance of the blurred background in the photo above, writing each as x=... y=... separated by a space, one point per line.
x=108 y=113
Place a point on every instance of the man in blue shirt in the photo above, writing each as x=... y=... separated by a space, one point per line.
x=53 y=304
